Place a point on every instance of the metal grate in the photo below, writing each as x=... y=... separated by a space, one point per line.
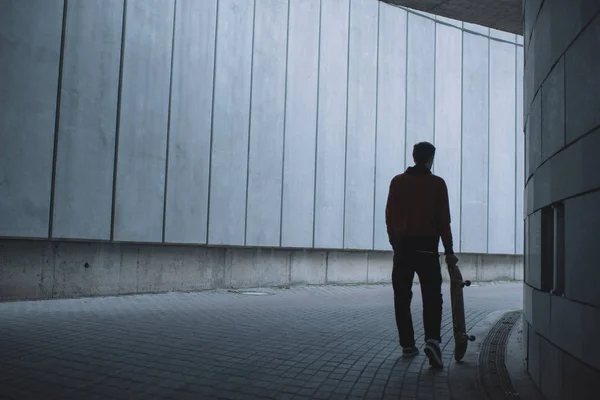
x=493 y=374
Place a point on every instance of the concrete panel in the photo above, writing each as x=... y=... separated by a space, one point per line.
x=300 y=125
x=520 y=152
x=420 y=81
x=391 y=98
x=528 y=73
x=502 y=156
x=331 y=128
x=533 y=135
x=542 y=187
x=581 y=240
x=541 y=47
x=30 y=36
x=26 y=270
x=143 y=125
x=540 y=312
x=88 y=114
x=421 y=13
x=201 y=268
x=558 y=26
x=533 y=356
x=583 y=82
x=186 y=210
x=527 y=300
x=529 y=195
x=496 y=267
x=569 y=173
x=136 y=269
x=553 y=111
x=566 y=312
x=265 y=158
x=469 y=265
x=308 y=268
x=41 y=270
x=520 y=270
x=531 y=9
x=89 y=269
x=257 y=267
x=551 y=370
x=474 y=207
x=347 y=267
x=591 y=330
x=579 y=380
x=448 y=112
x=379 y=267
x=449 y=21
x=231 y=113
x=362 y=125
x=481 y=30
x=502 y=35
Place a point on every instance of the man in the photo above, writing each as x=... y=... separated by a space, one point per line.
x=417 y=215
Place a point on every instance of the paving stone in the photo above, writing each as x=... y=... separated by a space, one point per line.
x=302 y=343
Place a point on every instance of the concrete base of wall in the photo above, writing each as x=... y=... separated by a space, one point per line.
x=43 y=269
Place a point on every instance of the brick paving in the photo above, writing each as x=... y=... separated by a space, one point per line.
x=333 y=342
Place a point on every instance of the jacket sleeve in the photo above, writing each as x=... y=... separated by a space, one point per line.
x=389 y=212
x=443 y=218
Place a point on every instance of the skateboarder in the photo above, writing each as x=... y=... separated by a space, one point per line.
x=417 y=215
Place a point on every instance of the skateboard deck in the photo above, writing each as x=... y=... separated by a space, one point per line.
x=461 y=338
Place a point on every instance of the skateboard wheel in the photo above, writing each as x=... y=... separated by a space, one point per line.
x=471 y=338
x=467 y=283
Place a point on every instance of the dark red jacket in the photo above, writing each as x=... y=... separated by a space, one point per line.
x=418 y=208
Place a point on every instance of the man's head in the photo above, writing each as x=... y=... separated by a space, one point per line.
x=423 y=154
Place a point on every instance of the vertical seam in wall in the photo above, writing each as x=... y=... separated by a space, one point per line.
x=212 y=122
x=118 y=123
x=317 y=125
x=516 y=152
x=287 y=47
x=164 y=219
x=406 y=92
x=462 y=119
x=249 y=123
x=346 y=130
x=57 y=119
x=488 y=147
x=434 y=82
x=376 y=127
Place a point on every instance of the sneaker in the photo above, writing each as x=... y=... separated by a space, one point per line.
x=408 y=352
x=433 y=352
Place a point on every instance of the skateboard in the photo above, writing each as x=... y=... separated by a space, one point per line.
x=461 y=338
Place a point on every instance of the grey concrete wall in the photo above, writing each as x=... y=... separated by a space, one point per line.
x=562 y=104
x=275 y=124
x=44 y=269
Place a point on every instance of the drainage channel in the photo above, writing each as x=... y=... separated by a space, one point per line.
x=493 y=374
x=250 y=292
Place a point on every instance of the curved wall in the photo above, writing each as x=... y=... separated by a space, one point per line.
x=240 y=123
x=562 y=97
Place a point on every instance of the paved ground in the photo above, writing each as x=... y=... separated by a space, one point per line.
x=336 y=342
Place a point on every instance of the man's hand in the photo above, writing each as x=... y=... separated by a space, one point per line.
x=451 y=260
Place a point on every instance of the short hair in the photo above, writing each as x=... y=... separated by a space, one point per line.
x=423 y=152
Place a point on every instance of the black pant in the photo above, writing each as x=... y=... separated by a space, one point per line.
x=427 y=266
